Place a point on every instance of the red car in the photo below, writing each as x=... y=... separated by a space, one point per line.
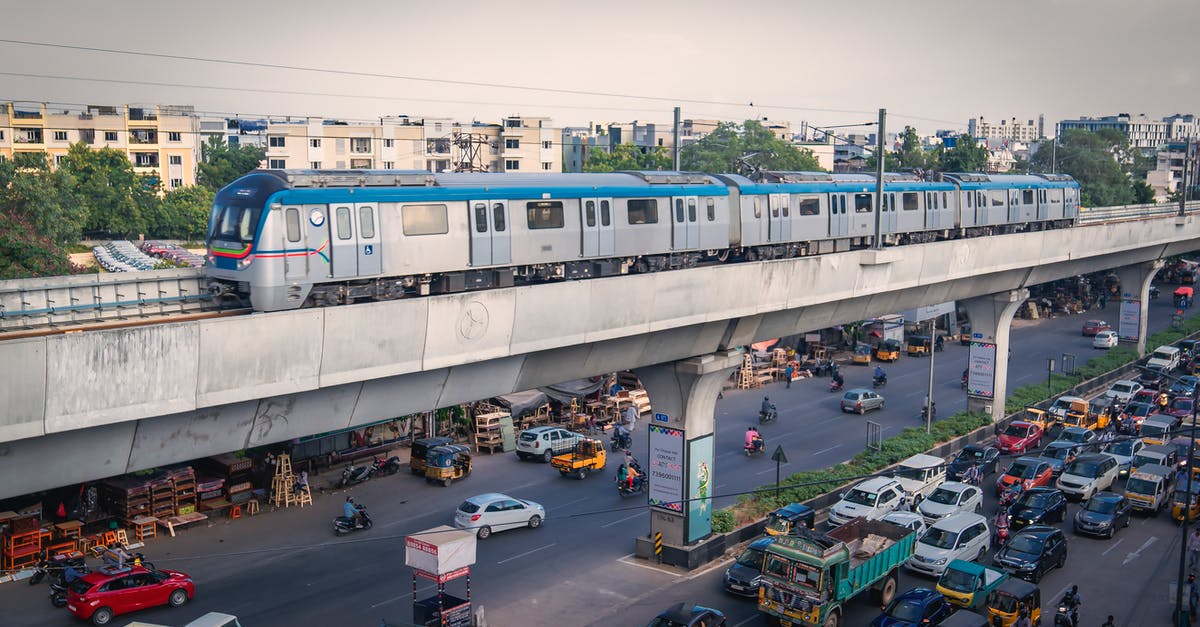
x=1092 y=327
x=100 y=595
x=1019 y=437
x=1030 y=471
x=1181 y=407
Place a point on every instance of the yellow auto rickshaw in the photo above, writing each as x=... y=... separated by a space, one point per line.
x=1183 y=500
x=1077 y=414
x=420 y=450
x=889 y=350
x=1100 y=413
x=964 y=335
x=1039 y=417
x=446 y=463
x=1004 y=605
x=919 y=345
x=862 y=355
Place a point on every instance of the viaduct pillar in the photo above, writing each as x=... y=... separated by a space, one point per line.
x=987 y=380
x=1135 y=301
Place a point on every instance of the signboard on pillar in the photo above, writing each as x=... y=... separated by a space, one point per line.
x=700 y=488
x=981 y=370
x=1131 y=318
x=666 y=468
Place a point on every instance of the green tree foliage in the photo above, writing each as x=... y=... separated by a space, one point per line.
x=220 y=164
x=1092 y=158
x=116 y=199
x=911 y=156
x=39 y=215
x=627 y=157
x=967 y=155
x=183 y=214
x=743 y=149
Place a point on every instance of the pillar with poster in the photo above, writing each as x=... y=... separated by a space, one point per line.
x=441 y=555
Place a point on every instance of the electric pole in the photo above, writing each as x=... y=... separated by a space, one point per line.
x=675 y=141
x=880 y=157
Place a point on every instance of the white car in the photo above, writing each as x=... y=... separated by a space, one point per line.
x=959 y=537
x=1088 y=474
x=908 y=520
x=872 y=499
x=951 y=498
x=543 y=443
x=1104 y=339
x=1124 y=451
x=1123 y=389
x=496 y=512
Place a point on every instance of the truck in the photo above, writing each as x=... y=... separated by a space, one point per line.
x=808 y=577
x=588 y=455
x=1150 y=487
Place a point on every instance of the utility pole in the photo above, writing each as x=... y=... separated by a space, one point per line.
x=880 y=157
x=1187 y=152
x=675 y=141
x=932 y=352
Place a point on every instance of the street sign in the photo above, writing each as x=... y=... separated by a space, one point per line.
x=779 y=456
x=661 y=418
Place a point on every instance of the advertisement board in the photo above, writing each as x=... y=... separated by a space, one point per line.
x=666 y=468
x=700 y=487
x=981 y=370
x=1131 y=317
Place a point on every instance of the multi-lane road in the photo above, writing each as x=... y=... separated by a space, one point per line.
x=286 y=568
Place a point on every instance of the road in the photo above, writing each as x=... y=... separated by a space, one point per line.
x=286 y=568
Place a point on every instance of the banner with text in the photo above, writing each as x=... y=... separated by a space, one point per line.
x=981 y=370
x=1131 y=317
x=666 y=468
x=700 y=487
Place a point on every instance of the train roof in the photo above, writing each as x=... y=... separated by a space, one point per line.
x=976 y=180
x=780 y=182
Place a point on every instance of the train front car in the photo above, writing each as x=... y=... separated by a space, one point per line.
x=239 y=222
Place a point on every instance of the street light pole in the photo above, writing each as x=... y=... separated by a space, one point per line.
x=1181 y=612
x=932 y=352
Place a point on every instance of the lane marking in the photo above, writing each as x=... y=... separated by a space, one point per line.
x=606 y=526
x=531 y=552
x=1114 y=545
x=406 y=594
x=771 y=469
x=747 y=621
x=1129 y=557
x=568 y=504
x=826 y=450
x=632 y=560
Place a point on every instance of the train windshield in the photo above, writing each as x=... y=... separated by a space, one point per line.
x=232 y=223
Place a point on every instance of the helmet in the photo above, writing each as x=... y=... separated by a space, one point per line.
x=349 y=499
x=766 y=398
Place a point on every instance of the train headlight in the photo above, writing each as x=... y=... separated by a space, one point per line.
x=242 y=264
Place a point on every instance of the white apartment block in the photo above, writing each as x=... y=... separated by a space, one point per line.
x=1010 y=130
x=161 y=141
x=1143 y=132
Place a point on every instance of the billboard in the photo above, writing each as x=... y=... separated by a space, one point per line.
x=981 y=370
x=1131 y=317
x=700 y=488
x=666 y=468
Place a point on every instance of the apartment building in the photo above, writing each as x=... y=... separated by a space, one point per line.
x=1143 y=132
x=1000 y=133
x=161 y=141
x=1167 y=175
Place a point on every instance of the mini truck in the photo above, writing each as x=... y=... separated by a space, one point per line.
x=588 y=455
x=809 y=576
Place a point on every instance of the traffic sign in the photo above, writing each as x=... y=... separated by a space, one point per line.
x=779 y=456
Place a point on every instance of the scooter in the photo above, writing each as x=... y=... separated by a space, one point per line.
x=389 y=466
x=1001 y=524
x=354 y=474
x=1009 y=495
x=1068 y=612
x=343 y=525
x=879 y=382
x=767 y=416
x=835 y=386
x=758 y=447
x=621 y=439
x=639 y=486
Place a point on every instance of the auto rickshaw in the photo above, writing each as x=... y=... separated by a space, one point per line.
x=1100 y=413
x=1183 y=500
x=1180 y=444
x=587 y=456
x=1004 y=605
x=967 y=584
x=1078 y=415
x=964 y=335
x=862 y=355
x=1039 y=417
x=420 y=448
x=919 y=345
x=447 y=462
x=790 y=519
x=889 y=350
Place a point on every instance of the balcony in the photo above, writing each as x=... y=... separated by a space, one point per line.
x=27 y=136
x=142 y=117
x=145 y=159
x=143 y=137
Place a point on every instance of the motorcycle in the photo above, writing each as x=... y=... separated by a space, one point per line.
x=1010 y=494
x=1068 y=612
x=964 y=381
x=756 y=448
x=343 y=525
x=767 y=416
x=932 y=409
x=639 y=483
x=835 y=386
x=879 y=382
x=354 y=475
x=1154 y=292
x=1001 y=524
x=389 y=466
x=621 y=439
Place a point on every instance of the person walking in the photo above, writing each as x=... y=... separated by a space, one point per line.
x=1193 y=595
x=1193 y=548
x=631 y=416
x=787 y=376
x=1111 y=622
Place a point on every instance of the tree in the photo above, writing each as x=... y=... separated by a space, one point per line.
x=910 y=157
x=627 y=157
x=1091 y=158
x=220 y=164
x=114 y=196
x=39 y=215
x=744 y=149
x=967 y=155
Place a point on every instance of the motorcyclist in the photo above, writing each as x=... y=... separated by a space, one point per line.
x=838 y=381
x=350 y=510
x=880 y=375
x=753 y=439
x=1001 y=521
x=768 y=408
x=971 y=475
x=1072 y=600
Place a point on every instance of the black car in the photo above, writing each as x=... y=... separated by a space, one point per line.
x=1032 y=552
x=688 y=615
x=1103 y=515
x=1038 y=505
x=742 y=577
x=1151 y=377
x=973 y=455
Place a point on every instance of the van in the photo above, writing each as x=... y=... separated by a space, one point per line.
x=1165 y=357
x=1161 y=455
x=1087 y=475
x=920 y=474
x=1157 y=429
x=1149 y=488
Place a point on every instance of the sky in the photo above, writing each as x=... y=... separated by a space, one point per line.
x=932 y=64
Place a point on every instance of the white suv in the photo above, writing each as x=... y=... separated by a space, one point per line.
x=959 y=537
x=1088 y=474
x=872 y=499
x=545 y=442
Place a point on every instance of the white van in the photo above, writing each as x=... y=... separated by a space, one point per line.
x=211 y=619
x=1165 y=357
x=920 y=474
x=960 y=537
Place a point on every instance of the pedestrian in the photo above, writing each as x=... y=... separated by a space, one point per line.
x=1193 y=546
x=787 y=376
x=302 y=481
x=1193 y=594
x=1111 y=622
x=631 y=416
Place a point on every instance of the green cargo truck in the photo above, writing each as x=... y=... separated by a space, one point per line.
x=808 y=577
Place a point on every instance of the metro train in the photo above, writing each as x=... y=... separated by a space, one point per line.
x=284 y=239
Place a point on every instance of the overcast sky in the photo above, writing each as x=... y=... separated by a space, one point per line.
x=932 y=63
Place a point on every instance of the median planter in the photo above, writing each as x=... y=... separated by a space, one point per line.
x=703 y=552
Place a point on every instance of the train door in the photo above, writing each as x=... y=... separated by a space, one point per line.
x=781 y=221
x=501 y=240
x=490 y=243
x=931 y=220
x=685 y=228
x=370 y=252
x=887 y=220
x=295 y=253
x=343 y=244
x=693 y=222
x=841 y=225
x=1043 y=209
x=607 y=231
x=589 y=217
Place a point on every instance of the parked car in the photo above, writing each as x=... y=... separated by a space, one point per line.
x=1085 y=438
x=908 y=520
x=984 y=457
x=1087 y=475
x=871 y=498
x=1092 y=327
x=1103 y=515
x=1105 y=339
x=493 y=511
x=1123 y=389
x=1019 y=437
x=1038 y=506
x=1032 y=552
x=919 y=607
x=744 y=575
x=545 y=442
x=1029 y=471
x=959 y=537
x=1124 y=451
x=861 y=400
x=688 y=615
x=99 y=597
x=949 y=499
x=1059 y=454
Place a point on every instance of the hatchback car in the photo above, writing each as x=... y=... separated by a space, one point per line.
x=496 y=512
x=99 y=597
x=1030 y=472
x=1183 y=386
x=1104 y=339
x=688 y=615
x=1103 y=515
x=1138 y=412
x=958 y=537
x=949 y=499
x=1124 y=451
x=1059 y=454
x=1181 y=407
x=1032 y=552
x=1151 y=377
x=1123 y=389
x=908 y=520
x=1037 y=506
x=744 y=575
x=861 y=400
x=1084 y=437
x=1019 y=437
x=545 y=442
x=919 y=607
x=1087 y=475
x=871 y=498
x=1092 y=327
x=983 y=457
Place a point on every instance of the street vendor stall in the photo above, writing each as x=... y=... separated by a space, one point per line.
x=441 y=555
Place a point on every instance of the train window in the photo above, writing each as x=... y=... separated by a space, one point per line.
x=643 y=211
x=366 y=222
x=758 y=206
x=969 y=198
x=862 y=203
x=997 y=198
x=424 y=219
x=292 y=219
x=679 y=210
x=911 y=201
x=810 y=207
x=980 y=199
x=786 y=208
x=343 y=223
x=945 y=201
x=711 y=207
x=480 y=217
x=544 y=214
x=691 y=209
x=1027 y=197
x=498 y=216
x=605 y=213
x=589 y=209
x=775 y=210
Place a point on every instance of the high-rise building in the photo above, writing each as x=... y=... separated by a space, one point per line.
x=1010 y=130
